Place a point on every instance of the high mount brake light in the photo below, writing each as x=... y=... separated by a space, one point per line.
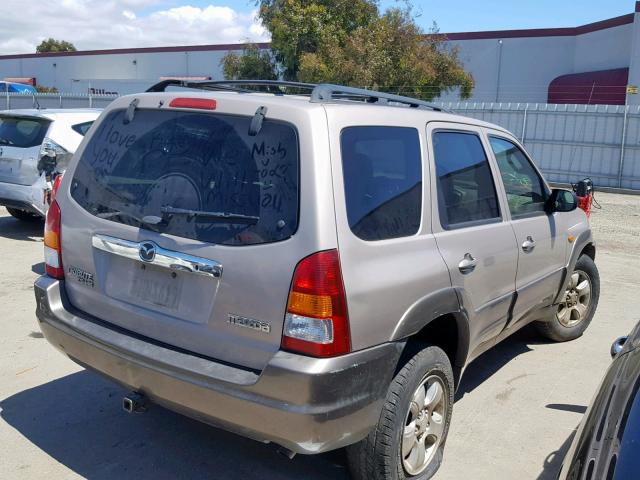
x=52 y=243
x=197 y=103
x=317 y=320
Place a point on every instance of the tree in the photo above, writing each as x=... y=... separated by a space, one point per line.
x=53 y=45
x=253 y=63
x=303 y=26
x=391 y=54
x=351 y=42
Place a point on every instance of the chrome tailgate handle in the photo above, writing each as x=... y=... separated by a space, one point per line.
x=150 y=252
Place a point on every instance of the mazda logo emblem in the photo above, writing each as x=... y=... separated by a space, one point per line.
x=147 y=251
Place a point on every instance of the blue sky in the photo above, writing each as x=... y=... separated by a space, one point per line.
x=151 y=23
x=472 y=15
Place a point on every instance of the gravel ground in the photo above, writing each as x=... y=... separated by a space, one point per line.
x=514 y=417
x=616 y=225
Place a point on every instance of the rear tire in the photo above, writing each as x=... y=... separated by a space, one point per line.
x=407 y=432
x=24 y=215
x=574 y=314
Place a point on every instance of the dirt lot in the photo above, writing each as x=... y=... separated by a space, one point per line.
x=516 y=411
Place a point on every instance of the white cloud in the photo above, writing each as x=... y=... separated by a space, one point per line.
x=103 y=24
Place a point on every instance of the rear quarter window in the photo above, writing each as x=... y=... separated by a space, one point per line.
x=193 y=175
x=382 y=171
x=82 y=128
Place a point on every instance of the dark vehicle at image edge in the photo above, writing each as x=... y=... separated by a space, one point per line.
x=607 y=443
x=314 y=271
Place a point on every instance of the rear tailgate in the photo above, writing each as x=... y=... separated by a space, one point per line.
x=20 y=143
x=146 y=244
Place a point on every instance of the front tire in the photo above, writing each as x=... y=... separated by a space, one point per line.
x=578 y=306
x=408 y=441
x=24 y=215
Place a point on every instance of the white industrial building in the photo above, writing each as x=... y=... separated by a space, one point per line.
x=587 y=64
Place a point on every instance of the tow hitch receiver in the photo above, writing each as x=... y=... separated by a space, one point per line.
x=135 y=402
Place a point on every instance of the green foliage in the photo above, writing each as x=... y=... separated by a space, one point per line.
x=303 y=26
x=53 y=45
x=349 y=42
x=43 y=89
x=253 y=63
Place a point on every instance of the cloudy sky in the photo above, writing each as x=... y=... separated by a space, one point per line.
x=98 y=24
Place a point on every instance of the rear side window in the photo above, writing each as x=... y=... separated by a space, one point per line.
x=82 y=128
x=466 y=190
x=382 y=171
x=193 y=175
x=22 y=132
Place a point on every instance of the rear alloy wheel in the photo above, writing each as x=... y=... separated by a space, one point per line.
x=24 y=215
x=408 y=441
x=577 y=306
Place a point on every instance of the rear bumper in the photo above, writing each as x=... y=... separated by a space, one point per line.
x=304 y=404
x=23 y=197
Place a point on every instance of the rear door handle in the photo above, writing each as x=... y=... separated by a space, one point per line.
x=528 y=245
x=467 y=264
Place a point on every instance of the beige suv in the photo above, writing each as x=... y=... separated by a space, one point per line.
x=313 y=269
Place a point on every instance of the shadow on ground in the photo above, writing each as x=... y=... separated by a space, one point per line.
x=553 y=462
x=497 y=357
x=78 y=420
x=15 y=229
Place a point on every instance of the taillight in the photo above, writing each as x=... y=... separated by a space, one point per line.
x=52 y=243
x=56 y=186
x=317 y=321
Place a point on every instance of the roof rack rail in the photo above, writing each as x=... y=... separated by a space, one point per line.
x=326 y=92
x=319 y=93
x=233 y=85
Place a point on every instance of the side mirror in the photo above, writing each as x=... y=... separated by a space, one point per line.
x=561 y=201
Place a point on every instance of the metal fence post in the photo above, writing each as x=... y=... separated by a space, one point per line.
x=8 y=102
x=60 y=103
x=90 y=101
x=622 y=146
x=524 y=124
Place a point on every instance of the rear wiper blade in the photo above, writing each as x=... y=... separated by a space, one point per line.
x=147 y=220
x=226 y=216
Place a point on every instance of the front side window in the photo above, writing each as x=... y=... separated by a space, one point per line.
x=194 y=175
x=526 y=193
x=382 y=171
x=466 y=190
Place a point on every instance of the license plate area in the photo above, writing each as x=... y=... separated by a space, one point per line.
x=156 y=286
x=9 y=165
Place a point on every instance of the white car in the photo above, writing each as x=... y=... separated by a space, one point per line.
x=35 y=147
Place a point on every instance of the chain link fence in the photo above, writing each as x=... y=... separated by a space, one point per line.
x=568 y=142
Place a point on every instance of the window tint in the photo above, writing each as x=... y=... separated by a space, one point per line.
x=22 y=132
x=382 y=171
x=82 y=128
x=466 y=191
x=194 y=175
x=524 y=187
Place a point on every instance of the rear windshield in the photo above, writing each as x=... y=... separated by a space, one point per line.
x=193 y=175
x=22 y=132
